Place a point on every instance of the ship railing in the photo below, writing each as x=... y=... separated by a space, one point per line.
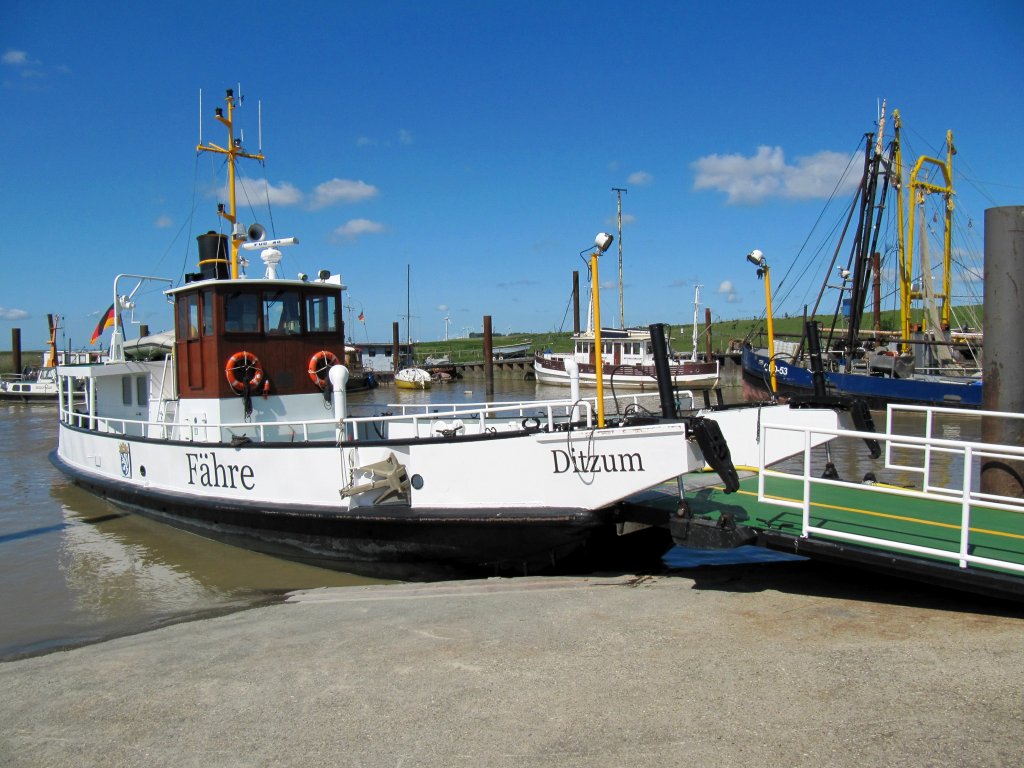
x=963 y=460
x=409 y=422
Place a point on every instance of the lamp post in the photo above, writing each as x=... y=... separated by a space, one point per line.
x=601 y=243
x=756 y=258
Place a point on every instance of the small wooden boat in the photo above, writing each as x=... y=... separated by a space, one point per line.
x=412 y=378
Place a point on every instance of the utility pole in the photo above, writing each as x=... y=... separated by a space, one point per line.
x=622 y=310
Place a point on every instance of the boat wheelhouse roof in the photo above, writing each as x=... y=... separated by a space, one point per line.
x=617 y=334
x=334 y=281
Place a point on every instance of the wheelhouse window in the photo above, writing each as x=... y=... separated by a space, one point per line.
x=241 y=312
x=207 y=327
x=322 y=313
x=281 y=313
x=188 y=316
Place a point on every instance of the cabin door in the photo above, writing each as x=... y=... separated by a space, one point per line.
x=190 y=339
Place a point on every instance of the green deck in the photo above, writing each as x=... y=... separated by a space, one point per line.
x=874 y=511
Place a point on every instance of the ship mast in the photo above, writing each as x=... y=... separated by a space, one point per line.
x=233 y=152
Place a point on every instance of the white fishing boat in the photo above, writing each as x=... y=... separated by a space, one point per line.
x=244 y=434
x=35 y=384
x=628 y=362
x=413 y=378
x=38 y=383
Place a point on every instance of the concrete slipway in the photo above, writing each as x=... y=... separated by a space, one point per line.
x=783 y=664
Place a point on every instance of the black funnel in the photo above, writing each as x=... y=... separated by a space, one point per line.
x=213 y=256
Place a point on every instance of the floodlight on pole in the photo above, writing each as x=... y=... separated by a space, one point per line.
x=601 y=243
x=756 y=258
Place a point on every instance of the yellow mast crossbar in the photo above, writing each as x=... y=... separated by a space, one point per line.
x=919 y=189
x=234 y=151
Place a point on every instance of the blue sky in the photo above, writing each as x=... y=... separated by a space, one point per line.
x=477 y=142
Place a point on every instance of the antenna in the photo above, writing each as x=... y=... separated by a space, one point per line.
x=259 y=126
x=622 y=311
x=200 y=115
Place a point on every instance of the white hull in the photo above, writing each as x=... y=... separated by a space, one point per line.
x=481 y=485
x=681 y=379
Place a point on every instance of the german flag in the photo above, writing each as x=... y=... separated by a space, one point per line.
x=105 y=322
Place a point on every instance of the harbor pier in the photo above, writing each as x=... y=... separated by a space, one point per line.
x=773 y=664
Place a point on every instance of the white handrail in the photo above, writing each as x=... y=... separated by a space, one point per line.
x=965 y=495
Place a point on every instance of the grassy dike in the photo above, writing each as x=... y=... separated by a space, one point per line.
x=722 y=334
x=471 y=350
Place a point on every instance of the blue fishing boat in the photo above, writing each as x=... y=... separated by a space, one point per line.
x=923 y=361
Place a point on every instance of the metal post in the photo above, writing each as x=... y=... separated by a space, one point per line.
x=396 y=360
x=708 y=353
x=1003 y=368
x=595 y=291
x=771 y=328
x=488 y=357
x=16 y=349
x=575 y=302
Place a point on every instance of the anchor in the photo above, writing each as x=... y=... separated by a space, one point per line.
x=391 y=475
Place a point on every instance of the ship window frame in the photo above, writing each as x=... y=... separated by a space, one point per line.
x=281 y=312
x=314 y=314
x=207 y=303
x=189 y=316
x=250 y=311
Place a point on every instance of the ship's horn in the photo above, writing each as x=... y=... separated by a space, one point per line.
x=256 y=232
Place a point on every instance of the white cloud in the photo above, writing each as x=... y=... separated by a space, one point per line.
x=341 y=191
x=353 y=228
x=765 y=175
x=13 y=314
x=259 y=191
x=613 y=221
x=15 y=58
x=442 y=307
x=365 y=141
x=725 y=288
x=639 y=179
x=163 y=222
x=404 y=136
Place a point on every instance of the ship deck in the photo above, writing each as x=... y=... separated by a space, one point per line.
x=964 y=545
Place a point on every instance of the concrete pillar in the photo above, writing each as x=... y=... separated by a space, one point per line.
x=1003 y=367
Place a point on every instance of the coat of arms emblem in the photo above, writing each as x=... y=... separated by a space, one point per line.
x=126 y=459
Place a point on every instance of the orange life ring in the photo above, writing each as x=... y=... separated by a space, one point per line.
x=319 y=365
x=244 y=372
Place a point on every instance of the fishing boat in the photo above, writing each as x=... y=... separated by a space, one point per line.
x=413 y=378
x=35 y=384
x=627 y=359
x=627 y=363
x=923 y=361
x=38 y=383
